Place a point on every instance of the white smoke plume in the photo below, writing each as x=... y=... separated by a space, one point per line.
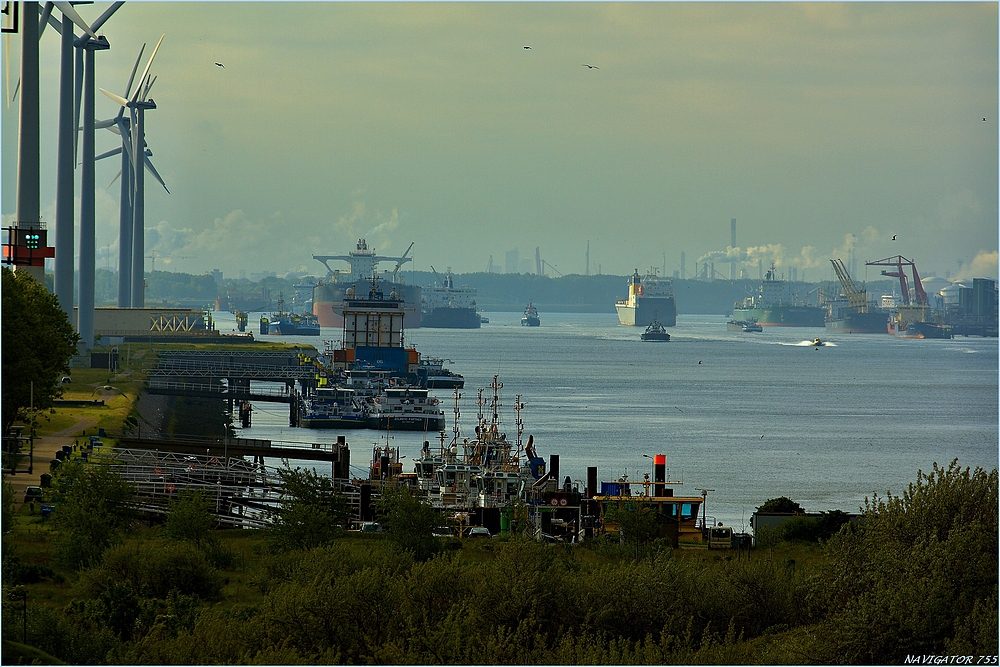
x=983 y=265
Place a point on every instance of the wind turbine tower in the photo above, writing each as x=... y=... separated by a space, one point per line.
x=732 y=266
x=27 y=214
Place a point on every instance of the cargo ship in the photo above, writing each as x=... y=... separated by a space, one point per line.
x=844 y=318
x=329 y=293
x=445 y=306
x=649 y=299
x=775 y=305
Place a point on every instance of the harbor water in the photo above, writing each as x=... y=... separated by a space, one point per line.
x=751 y=416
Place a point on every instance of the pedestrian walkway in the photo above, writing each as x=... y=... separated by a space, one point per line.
x=46 y=447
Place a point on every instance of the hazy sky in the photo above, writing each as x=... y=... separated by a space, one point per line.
x=815 y=125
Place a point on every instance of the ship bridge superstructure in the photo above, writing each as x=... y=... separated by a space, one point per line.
x=362 y=260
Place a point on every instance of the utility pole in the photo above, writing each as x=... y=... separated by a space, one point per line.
x=704 y=506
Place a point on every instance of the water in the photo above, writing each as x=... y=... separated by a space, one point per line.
x=750 y=415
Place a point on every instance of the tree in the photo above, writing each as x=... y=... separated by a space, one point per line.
x=189 y=518
x=38 y=342
x=781 y=505
x=411 y=523
x=918 y=574
x=636 y=523
x=94 y=510
x=312 y=511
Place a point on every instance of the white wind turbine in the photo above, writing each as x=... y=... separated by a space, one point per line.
x=121 y=126
x=64 y=241
x=138 y=103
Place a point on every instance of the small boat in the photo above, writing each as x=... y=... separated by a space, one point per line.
x=439 y=377
x=406 y=409
x=744 y=325
x=484 y=320
x=655 y=331
x=530 y=318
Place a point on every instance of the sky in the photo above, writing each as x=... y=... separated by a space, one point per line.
x=820 y=127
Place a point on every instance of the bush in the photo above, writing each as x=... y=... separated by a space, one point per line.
x=153 y=569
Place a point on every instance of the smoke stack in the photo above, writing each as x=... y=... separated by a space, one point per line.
x=554 y=466
x=538 y=262
x=732 y=267
x=659 y=474
x=591 y=489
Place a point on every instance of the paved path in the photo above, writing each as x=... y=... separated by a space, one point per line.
x=46 y=447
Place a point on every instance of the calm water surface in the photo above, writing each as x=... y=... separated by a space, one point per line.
x=751 y=415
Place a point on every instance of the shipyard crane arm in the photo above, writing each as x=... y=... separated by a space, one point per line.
x=899 y=262
x=856 y=297
x=437 y=277
x=402 y=259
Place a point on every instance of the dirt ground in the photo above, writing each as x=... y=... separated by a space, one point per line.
x=44 y=451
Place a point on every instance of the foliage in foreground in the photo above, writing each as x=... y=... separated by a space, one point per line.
x=37 y=341
x=918 y=574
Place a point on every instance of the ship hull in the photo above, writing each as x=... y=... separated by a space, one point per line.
x=647 y=309
x=328 y=300
x=291 y=329
x=407 y=422
x=450 y=318
x=783 y=316
x=334 y=422
x=854 y=322
x=921 y=330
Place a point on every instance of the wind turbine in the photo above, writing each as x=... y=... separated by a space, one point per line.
x=138 y=103
x=122 y=126
x=64 y=242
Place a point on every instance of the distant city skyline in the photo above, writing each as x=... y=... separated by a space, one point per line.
x=285 y=130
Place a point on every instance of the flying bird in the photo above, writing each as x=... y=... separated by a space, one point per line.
x=591 y=66
x=220 y=65
x=762 y=437
x=528 y=48
x=893 y=237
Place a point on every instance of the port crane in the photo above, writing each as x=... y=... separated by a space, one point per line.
x=399 y=262
x=899 y=262
x=856 y=296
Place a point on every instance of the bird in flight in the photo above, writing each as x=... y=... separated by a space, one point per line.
x=893 y=237
x=591 y=66
x=528 y=48
x=220 y=65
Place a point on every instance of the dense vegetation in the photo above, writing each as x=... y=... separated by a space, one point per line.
x=916 y=575
x=37 y=341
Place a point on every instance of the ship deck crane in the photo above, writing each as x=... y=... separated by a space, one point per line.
x=399 y=262
x=899 y=262
x=856 y=297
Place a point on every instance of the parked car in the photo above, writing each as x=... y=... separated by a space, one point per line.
x=478 y=531
x=66 y=379
x=372 y=527
x=33 y=493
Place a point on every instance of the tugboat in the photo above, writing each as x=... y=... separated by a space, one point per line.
x=530 y=318
x=406 y=409
x=439 y=377
x=744 y=325
x=655 y=331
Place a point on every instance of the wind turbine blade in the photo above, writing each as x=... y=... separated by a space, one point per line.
x=46 y=11
x=126 y=139
x=151 y=169
x=131 y=77
x=149 y=87
x=46 y=18
x=96 y=25
x=146 y=71
x=116 y=97
x=78 y=73
x=102 y=124
x=16 y=88
x=114 y=179
x=113 y=151
x=68 y=11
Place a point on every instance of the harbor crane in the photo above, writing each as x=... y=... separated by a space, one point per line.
x=856 y=297
x=399 y=262
x=899 y=262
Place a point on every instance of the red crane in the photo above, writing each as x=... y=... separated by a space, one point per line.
x=899 y=262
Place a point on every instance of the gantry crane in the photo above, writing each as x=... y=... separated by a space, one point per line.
x=856 y=297
x=899 y=262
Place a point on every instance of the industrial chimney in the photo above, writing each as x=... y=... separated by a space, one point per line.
x=732 y=266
